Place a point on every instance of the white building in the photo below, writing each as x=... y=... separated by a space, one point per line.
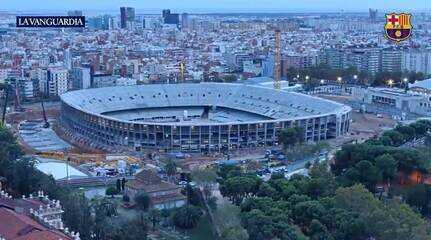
x=415 y=60
x=391 y=61
x=53 y=82
x=409 y=101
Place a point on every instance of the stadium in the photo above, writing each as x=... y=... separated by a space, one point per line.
x=202 y=117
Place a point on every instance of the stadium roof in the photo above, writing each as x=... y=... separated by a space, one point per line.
x=422 y=84
x=269 y=103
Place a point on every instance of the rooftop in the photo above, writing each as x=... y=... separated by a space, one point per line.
x=234 y=103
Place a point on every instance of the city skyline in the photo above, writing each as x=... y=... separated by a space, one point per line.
x=222 y=6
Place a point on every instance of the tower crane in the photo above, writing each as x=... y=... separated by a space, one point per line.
x=277 y=60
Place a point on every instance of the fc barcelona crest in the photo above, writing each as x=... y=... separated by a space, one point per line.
x=398 y=26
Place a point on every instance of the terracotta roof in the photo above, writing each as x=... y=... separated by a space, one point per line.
x=45 y=235
x=16 y=226
x=167 y=198
x=148 y=177
x=149 y=188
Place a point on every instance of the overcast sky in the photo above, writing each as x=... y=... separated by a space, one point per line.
x=216 y=5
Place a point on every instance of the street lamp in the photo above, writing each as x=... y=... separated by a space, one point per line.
x=339 y=79
x=406 y=83
x=322 y=81
x=390 y=82
x=307 y=77
x=355 y=77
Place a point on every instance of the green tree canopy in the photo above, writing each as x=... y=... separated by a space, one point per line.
x=187 y=217
x=142 y=201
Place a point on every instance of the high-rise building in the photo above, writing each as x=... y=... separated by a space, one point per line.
x=268 y=67
x=170 y=18
x=373 y=15
x=81 y=78
x=100 y=22
x=42 y=76
x=391 y=60
x=58 y=81
x=417 y=60
x=334 y=58
x=185 y=21
x=53 y=82
x=127 y=15
x=366 y=60
x=74 y=13
x=165 y=13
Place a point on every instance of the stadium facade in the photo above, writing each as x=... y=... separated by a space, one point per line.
x=200 y=117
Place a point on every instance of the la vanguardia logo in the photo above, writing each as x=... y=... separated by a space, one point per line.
x=50 y=21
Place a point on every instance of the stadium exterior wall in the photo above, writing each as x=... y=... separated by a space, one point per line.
x=113 y=134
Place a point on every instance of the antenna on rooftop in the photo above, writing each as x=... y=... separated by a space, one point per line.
x=277 y=60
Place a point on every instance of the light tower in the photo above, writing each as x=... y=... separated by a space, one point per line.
x=277 y=68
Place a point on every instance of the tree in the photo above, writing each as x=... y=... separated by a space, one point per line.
x=118 y=185
x=408 y=132
x=305 y=212
x=318 y=231
x=205 y=178
x=273 y=224
x=421 y=127
x=104 y=208
x=227 y=171
x=77 y=215
x=226 y=218
x=125 y=229
x=395 y=137
x=165 y=213
x=238 y=188
x=192 y=195
x=155 y=216
x=387 y=166
x=171 y=168
x=390 y=221
x=234 y=233
x=22 y=176
x=187 y=216
x=291 y=136
x=368 y=174
x=111 y=191
x=265 y=190
x=419 y=196
x=142 y=201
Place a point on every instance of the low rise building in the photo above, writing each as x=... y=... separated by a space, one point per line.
x=163 y=195
x=32 y=218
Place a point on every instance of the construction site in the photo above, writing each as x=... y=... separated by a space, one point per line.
x=36 y=128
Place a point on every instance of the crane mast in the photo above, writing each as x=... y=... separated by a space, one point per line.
x=277 y=60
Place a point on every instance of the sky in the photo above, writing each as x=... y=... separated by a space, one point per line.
x=206 y=6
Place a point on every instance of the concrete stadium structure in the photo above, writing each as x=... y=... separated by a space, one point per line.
x=200 y=117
